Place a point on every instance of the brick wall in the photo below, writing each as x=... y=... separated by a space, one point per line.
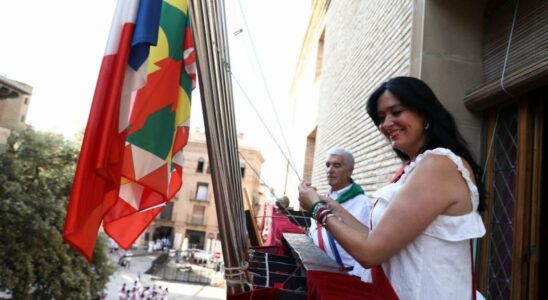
x=365 y=43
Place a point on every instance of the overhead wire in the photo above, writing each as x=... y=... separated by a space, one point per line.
x=269 y=95
x=258 y=175
x=264 y=123
x=288 y=213
x=509 y=44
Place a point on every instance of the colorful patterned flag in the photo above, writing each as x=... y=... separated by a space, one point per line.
x=131 y=159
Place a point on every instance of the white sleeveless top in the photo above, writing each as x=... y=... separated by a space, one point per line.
x=437 y=264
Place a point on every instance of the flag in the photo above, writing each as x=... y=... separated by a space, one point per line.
x=130 y=163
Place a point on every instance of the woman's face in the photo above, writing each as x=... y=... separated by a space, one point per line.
x=402 y=126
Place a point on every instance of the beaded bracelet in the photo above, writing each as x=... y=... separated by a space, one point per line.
x=320 y=207
x=314 y=204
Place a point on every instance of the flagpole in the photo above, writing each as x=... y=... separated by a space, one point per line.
x=209 y=31
x=231 y=119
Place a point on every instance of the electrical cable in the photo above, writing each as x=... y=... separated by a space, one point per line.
x=288 y=214
x=264 y=124
x=254 y=50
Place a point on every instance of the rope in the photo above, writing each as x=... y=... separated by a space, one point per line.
x=489 y=150
x=267 y=269
x=272 y=217
x=291 y=274
x=258 y=175
x=238 y=276
x=288 y=214
x=290 y=161
x=264 y=124
x=508 y=49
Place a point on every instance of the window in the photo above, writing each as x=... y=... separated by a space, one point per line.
x=200 y=167
x=22 y=118
x=514 y=182
x=26 y=101
x=198 y=215
x=319 y=56
x=309 y=155
x=167 y=212
x=242 y=170
x=502 y=221
x=201 y=191
x=195 y=239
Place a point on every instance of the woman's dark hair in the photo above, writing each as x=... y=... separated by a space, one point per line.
x=416 y=95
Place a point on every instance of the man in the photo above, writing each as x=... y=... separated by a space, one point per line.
x=340 y=165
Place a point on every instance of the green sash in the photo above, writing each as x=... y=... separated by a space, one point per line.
x=352 y=192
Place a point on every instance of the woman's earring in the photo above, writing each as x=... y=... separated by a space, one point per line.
x=427 y=125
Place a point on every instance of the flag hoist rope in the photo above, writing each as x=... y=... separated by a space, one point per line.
x=211 y=47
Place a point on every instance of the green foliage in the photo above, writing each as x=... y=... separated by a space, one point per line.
x=36 y=171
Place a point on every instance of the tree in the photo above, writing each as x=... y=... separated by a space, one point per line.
x=36 y=171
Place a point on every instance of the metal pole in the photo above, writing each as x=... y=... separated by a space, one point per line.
x=207 y=20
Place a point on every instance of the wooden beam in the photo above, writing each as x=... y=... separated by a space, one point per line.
x=252 y=227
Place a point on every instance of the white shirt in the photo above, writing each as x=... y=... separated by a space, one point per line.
x=437 y=264
x=360 y=207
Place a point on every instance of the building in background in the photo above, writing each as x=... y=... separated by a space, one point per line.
x=487 y=61
x=190 y=219
x=14 y=104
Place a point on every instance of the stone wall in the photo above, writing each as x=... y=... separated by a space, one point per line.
x=365 y=43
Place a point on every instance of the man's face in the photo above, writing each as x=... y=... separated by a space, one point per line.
x=338 y=173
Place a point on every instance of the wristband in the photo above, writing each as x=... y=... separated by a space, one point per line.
x=323 y=214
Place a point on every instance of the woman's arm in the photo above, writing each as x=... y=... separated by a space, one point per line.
x=433 y=187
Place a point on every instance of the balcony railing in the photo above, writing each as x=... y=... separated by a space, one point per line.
x=196 y=220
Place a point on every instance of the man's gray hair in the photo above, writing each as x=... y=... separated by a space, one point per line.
x=346 y=154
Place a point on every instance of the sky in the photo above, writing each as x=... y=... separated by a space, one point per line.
x=57 y=47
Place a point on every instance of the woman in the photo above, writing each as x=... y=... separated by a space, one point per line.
x=422 y=224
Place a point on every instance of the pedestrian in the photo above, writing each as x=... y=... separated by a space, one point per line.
x=122 y=295
x=150 y=246
x=128 y=256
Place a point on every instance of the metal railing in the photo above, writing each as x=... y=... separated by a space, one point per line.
x=188 y=273
x=196 y=220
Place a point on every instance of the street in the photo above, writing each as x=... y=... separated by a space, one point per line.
x=176 y=290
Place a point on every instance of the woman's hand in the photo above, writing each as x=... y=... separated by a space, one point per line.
x=307 y=195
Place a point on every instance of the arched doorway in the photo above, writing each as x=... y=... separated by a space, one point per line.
x=164 y=232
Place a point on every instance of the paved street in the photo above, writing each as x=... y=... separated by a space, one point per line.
x=177 y=290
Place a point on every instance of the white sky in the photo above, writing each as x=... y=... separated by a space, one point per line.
x=57 y=46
